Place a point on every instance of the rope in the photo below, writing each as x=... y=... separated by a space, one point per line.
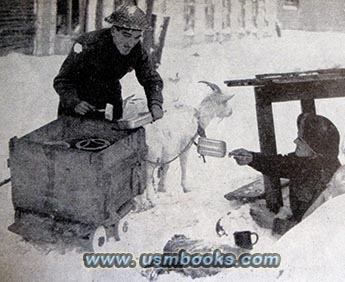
x=5 y=181
x=201 y=132
x=190 y=143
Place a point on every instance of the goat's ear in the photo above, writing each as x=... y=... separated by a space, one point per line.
x=129 y=98
x=127 y=101
x=226 y=98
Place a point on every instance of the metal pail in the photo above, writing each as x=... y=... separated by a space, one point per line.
x=211 y=147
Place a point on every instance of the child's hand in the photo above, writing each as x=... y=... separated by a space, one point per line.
x=242 y=156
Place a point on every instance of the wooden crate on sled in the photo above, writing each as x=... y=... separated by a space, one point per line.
x=72 y=191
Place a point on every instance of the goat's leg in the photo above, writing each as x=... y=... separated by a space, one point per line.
x=147 y=199
x=163 y=174
x=183 y=163
x=150 y=189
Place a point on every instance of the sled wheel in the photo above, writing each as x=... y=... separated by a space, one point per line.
x=117 y=230
x=123 y=229
x=99 y=239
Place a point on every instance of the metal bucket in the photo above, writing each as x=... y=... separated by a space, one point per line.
x=211 y=147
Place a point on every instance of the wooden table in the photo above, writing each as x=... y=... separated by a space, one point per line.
x=281 y=87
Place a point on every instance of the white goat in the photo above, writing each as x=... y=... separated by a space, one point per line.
x=172 y=136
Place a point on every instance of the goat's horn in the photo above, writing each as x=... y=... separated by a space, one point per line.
x=213 y=86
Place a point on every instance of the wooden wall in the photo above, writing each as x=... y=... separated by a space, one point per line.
x=17 y=26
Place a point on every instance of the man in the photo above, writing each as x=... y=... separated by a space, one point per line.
x=89 y=77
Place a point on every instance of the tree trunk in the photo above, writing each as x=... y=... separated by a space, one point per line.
x=99 y=14
x=148 y=40
x=118 y=3
x=157 y=54
x=84 y=4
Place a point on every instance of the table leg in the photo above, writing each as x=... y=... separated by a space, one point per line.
x=308 y=106
x=264 y=113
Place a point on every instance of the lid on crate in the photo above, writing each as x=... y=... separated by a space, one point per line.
x=135 y=121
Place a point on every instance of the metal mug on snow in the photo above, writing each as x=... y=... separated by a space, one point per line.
x=243 y=239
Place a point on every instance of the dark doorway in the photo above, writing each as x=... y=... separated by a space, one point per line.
x=67 y=17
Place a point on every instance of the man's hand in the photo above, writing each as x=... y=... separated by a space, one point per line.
x=156 y=112
x=83 y=108
x=242 y=156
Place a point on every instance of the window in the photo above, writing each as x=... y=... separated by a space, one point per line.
x=226 y=12
x=67 y=16
x=242 y=13
x=291 y=4
x=189 y=15
x=255 y=12
x=164 y=6
x=209 y=14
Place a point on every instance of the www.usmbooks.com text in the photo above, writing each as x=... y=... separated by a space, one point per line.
x=182 y=259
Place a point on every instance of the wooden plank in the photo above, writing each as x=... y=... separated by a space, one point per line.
x=315 y=76
x=244 y=82
x=17 y=25
x=19 y=32
x=15 y=43
x=306 y=90
x=252 y=191
x=303 y=73
x=19 y=49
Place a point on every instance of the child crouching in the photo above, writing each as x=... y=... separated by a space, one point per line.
x=309 y=168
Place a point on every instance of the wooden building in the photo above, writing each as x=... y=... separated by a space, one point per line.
x=45 y=27
x=196 y=21
x=312 y=15
x=17 y=26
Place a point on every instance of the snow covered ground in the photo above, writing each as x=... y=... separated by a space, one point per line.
x=312 y=251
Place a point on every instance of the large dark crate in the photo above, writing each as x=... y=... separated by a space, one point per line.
x=77 y=186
